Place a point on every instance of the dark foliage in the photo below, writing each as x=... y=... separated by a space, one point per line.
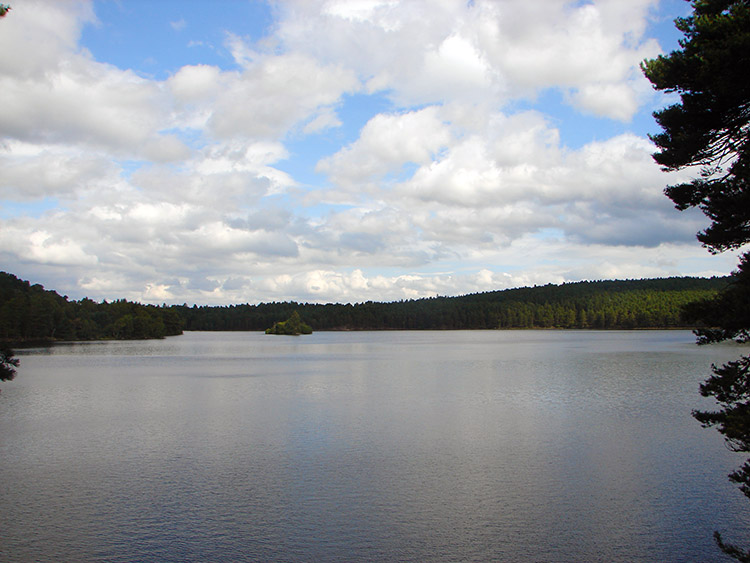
x=29 y=313
x=731 y=388
x=8 y=365
x=601 y=305
x=728 y=311
x=710 y=128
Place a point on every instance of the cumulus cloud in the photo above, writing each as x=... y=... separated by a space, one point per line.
x=276 y=92
x=195 y=83
x=45 y=247
x=53 y=92
x=32 y=171
x=483 y=50
x=198 y=187
x=385 y=144
x=82 y=102
x=42 y=31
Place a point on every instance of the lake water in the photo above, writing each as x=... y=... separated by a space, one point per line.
x=548 y=446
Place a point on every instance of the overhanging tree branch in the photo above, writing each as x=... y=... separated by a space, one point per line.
x=710 y=128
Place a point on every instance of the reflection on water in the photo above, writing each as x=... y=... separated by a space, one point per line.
x=408 y=446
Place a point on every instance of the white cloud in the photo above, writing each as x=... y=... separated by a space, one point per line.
x=30 y=171
x=52 y=92
x=326 y=118
x=195 y=83
x=45 y=247
x=361 y=10
x=612 y=100
x=187 y=189
x=386 y=143
x=38 y=33
x=83 y=102
x=276 y=92
x=178 y=25
x=165 y=148
x=484 y=50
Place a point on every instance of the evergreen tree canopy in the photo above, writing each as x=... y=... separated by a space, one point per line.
x=613 y=304
x=710 y=128
x=8 y=365
x=30 y=313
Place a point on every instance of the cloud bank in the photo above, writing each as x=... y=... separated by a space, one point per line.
x=361 y=150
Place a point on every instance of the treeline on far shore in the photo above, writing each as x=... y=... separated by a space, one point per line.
x=32 y=313
x=629 y=304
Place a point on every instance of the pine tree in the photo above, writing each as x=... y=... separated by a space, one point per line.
x=710 y=128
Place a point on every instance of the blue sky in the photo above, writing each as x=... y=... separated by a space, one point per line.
x=335 y=150
x=156 y=39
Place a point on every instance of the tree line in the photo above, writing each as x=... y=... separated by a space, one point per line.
x=32 y=313
x=628 y=304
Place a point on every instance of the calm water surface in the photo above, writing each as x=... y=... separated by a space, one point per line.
x=388 y=446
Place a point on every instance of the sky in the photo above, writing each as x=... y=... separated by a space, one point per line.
x=240 y=151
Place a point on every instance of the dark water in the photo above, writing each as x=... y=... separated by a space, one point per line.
x=397 y=446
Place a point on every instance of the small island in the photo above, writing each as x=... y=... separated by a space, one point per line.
x=292 y=326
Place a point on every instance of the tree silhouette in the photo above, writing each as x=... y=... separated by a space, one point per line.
x=710 y=128
x=8 y=365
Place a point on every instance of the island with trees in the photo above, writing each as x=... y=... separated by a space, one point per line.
x=293 y=326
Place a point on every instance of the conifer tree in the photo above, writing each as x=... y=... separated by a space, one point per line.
x=8 y=365
x=710 y=128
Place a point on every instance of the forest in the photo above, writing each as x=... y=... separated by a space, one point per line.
x=31 y=313
x=629 y=304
